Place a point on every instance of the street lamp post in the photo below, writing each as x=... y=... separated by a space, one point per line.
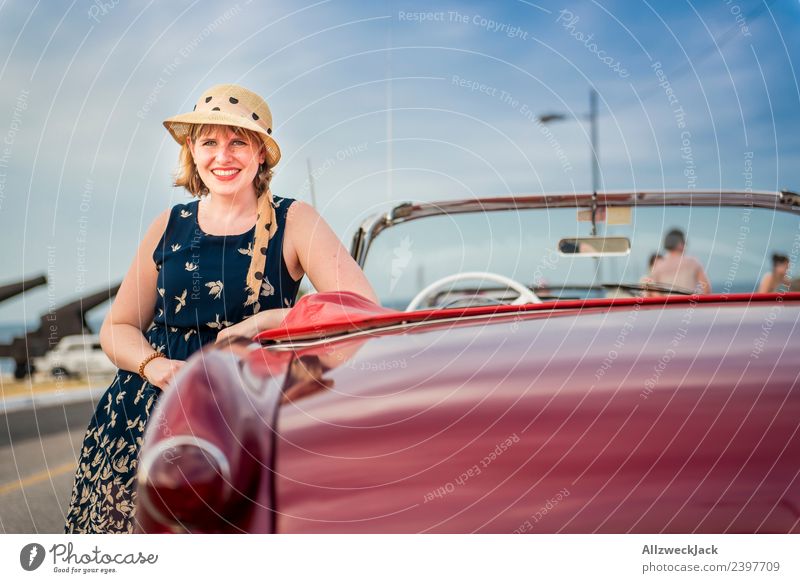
x=595 y=153
x=592 y=116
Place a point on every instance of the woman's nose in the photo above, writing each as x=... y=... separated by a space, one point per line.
x=223 y=154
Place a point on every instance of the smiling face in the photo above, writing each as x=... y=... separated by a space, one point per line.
x=227 y=161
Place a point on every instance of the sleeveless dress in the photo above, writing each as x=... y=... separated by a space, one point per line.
x=201 y=290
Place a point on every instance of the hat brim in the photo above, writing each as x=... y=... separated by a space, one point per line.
x=179 y=126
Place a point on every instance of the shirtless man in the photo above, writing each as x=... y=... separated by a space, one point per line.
x=777 y=280
x=679 y=270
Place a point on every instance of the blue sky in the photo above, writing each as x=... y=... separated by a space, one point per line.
x=388 y=106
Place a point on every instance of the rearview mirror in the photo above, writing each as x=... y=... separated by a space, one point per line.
x=595 y=246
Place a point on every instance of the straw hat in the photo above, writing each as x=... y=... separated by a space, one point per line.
x=230 y=105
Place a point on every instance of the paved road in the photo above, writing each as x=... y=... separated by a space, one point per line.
x=38 y=456
x=36 y=482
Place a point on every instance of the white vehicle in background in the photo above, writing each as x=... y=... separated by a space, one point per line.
x=76 y=356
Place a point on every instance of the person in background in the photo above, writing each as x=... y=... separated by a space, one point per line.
x=778 y=279
x=677 y=269
x=648 y=277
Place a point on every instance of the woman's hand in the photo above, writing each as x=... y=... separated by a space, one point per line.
x=249 y=328
x=161 y=371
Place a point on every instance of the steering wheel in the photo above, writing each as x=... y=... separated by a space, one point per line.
x=526 y=296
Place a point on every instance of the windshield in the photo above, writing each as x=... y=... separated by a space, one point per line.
x=672 y=250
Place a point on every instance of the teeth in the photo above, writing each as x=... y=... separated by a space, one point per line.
x=225 y=172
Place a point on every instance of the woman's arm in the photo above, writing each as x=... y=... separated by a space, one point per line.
x=121 y=335
x=322 y=256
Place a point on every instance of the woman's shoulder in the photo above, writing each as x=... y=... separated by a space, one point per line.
x=181 y=209
x=178 y=213
x=166 y=221
x=283 y=202
x=286 y=207
x=184 y=209
x=300 y=213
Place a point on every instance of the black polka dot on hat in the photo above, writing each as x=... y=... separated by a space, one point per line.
x=259 y=275
x=233 y=100
x=267 y=226
x=255 y=116
x=215 y=109
x=269 y=130
x=208 y=99
x=263 y=250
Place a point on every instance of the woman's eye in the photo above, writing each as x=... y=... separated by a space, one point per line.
x=209 y=143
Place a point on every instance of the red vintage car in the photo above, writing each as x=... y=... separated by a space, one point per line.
x=552 y=386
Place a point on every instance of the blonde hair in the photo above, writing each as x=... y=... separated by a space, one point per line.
x=187 y=175
x=266 y=226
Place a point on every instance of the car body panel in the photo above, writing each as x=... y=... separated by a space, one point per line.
x=658 y=419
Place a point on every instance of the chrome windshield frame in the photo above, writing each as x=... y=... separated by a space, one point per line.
x=370 y=228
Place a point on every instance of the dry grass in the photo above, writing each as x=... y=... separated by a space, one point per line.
x=10 y=387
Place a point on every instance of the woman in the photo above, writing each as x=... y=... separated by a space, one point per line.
x=228 y=264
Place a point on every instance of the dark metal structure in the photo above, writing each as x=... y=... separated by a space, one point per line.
x=56 y=323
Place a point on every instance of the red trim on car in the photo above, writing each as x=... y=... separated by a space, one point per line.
x=324 y=314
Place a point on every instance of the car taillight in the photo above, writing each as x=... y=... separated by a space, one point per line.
x=199 y=465
x=186 y=481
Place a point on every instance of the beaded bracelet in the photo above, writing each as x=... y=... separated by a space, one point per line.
x=147 y=360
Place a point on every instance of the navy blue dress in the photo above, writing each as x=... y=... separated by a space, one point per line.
x=201 y=290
